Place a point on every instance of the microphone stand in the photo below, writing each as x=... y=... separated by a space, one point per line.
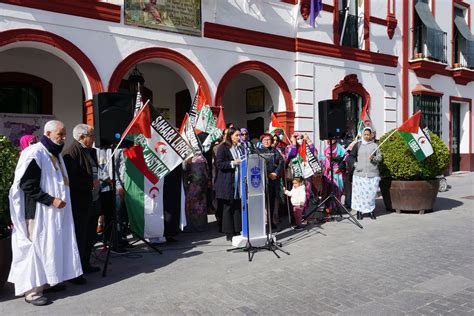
x=271 y=244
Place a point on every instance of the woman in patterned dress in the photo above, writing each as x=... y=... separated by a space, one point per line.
x=366 y=175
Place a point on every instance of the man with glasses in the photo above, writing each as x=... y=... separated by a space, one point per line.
x=81 y=163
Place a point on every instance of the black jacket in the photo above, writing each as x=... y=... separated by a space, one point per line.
x=79 y=170
x=224 y=183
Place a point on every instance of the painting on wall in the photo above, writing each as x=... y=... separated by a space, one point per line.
x=255 y=99
x=181 y=16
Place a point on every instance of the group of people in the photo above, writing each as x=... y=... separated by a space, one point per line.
x=55 y=205
x=58 y=195
x=350 y=170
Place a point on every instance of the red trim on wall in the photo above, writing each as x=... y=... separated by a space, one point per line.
x=377 y=20
x=290 y=1
x=27 y=79
x=405 y=58
x=88 y=9
x=31 y=35
x=336 y=51
x=335 y=25
x=328 y=8
x=462 y=76
x=432 y=7
x=160 y=53
x=424 y=68
x=253 y=65
x=238 y=35
x=367 y=25
x=467 y=161
x=351 y=84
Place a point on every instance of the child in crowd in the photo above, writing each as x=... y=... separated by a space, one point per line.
x=298 y=199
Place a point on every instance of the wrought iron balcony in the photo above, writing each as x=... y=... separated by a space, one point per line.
x=350 y=34
x=429 y=43
x=463 y=53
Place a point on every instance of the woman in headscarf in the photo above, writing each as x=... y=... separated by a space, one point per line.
x=333 y=170
x=366 y=175
x=196 y=177
x=313 y=183
x=27 y=140
x=245 y=141
x=228 y=160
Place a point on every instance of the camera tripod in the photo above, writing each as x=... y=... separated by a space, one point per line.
x=333 y=197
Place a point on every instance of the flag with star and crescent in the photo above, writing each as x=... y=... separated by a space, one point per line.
x=158 y=150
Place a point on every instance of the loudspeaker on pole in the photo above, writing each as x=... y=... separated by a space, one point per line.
x=113 y=112
x=332 y=119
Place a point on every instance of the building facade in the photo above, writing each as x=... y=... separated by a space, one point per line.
x=249 y=57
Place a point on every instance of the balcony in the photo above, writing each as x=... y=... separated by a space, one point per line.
x=430 y=44
x=429 y=52
x=350 y=34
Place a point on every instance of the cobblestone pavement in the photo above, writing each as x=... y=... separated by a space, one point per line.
x=398 y=264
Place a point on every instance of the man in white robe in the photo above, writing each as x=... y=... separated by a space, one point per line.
x=43 y=241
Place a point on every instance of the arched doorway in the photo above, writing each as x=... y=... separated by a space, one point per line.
x=356 y=99
x=44 y=63
x=171 y=78
x=249 y=92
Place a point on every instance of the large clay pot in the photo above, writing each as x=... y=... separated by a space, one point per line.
x=402 y=195
x=5 y=259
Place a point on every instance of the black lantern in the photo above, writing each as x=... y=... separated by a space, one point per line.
x=136 y=81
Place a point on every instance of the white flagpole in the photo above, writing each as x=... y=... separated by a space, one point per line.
x=345 y=21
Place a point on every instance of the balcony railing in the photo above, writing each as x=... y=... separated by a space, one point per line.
x=429 y=43
x=350 y=34
x=463 y=53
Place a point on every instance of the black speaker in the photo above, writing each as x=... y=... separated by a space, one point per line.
x=112 y=114
x=332 y=119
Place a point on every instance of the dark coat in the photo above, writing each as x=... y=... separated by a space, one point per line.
x=79 y=170
x=224 y=184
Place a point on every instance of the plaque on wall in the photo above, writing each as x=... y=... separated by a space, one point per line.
x=181 y=16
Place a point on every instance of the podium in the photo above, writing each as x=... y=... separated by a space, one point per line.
x=252 y=188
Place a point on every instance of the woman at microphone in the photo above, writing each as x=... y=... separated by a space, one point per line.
x=228 y=160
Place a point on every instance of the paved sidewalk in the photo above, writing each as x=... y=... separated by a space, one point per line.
x=398 y=264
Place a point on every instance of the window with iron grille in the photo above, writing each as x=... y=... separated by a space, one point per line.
x=430 y=107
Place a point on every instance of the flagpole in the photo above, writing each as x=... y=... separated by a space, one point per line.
x=396 y=130
x=345 y=21
x=126 y=130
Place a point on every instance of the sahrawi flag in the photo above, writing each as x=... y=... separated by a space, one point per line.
x=187 y=132
x=198 y=102
x=304 y=164
x=275 y=125
x=206 y=123
x=415 y=138
x=160 y=150
x=364 y=121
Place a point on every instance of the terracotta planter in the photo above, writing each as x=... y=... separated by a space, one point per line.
x=409 y=195
x=5 y=259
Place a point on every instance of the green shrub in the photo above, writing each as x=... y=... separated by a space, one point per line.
x=8 y=161
x=399 y=163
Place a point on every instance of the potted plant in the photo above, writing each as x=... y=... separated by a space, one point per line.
x=408 y=184
x=8 y=160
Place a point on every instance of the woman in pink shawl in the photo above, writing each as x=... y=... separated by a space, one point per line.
x=27 y=140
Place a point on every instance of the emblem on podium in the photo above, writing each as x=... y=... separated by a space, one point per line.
x=255 y=177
